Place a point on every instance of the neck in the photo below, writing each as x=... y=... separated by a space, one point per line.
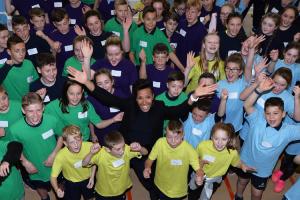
x=169 y=33
x=284 y=28
x=47 y=83
x=1 y=49
x=75 y=5
x=96 y=34
x=209 y=56
x=160 y=68
x=192 y=23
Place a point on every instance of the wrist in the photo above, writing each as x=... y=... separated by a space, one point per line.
x=257 y=91
x=193 y=99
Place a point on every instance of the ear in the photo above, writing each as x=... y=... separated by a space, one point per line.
x=9 y=52
x=165 y=24
x=65 y=143
x=283 y=114
x=38 y=70
x=23 y=111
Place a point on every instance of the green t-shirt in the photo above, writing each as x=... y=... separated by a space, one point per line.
x=147 y=41
x=74 y=62
x=12 y=188
x=114 y=26
x=38 y=143
x=76 y=116
x=169 y=102
x=18 y=79
x=7 y=119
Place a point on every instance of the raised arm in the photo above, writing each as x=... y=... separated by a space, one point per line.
x=143 y=72
x=297 y=103
x=94 y=149
x=190 y=62
x=105 y=123
x=222 y=106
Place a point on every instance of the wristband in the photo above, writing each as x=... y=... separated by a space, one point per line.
x=257 y=92
x=193 y=99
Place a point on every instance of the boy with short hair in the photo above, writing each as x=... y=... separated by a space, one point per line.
x=173 y=157
x=4 y=34
x=50 y=85
x=146 y=37
x=37 y=133
x=122 y=24
x=17 y=73
x=33 y=43
x=78 y=180
x=267 y=139
x=191 y=29
x=157 y=72
x=75 y=10
x=38 y=22
x=113 y=161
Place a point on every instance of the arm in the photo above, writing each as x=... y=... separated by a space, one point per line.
x=131 y=57
x=274 y=54
x=135 y=146
x=248 y=90
x=9 y=8
x=92 y=130
x=87 y=51
x=147 y=170
x=108 y=122
x=96 y=4
x=92 y=178
x=143 y=72
x=5 y=69
x=176 y=61
x=297 y=103
x=51 y=157
x=60 y=193
x=55 y=45
x=126 y=37
x=190 y=62
x=222 y=106
x=94 y=149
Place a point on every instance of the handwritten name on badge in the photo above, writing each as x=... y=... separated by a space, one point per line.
x=196 y=131
x=69 y=48
x=116 y=73
x=82 y=115
x=209 y=158
x=176 y=162
x=78 y=164
x=47 y=134
x=118 y=163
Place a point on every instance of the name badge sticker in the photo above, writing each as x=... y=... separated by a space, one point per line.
x=209 y=158
x=112 y=12
x=173 y=45
x=182 y=32
x=69 y=48
x=113 y=110
x=82 y=115
x=29 y=79
x=196 y=131
x=57 y=4
x=266 y=144
x=47 y=134
x=233 y=95
x=231 y=52
x=2 y=61
x=118 y=163
x=72 y=21
x=116 y=73
x=46 y=99
x=103 y=42
x=36 y=6
x=78 y=164
x=156 y=84
x=116 y=33
x=261 y=102
x=176 y=162
x=32 y=51
x=3 y=124
x=143 y=44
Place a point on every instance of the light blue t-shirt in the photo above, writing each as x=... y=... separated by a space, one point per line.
x=194 y=133
x=265 y=144
x=293 y=193
x=234 y=106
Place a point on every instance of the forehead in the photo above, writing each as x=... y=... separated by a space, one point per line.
x=34 y=106
x=20 y=26
x=74 y=87
x=49 y=66
x=122 y=7
x=145 y=92
x=220 y=133
x=119 y=145
x=102 y=77
x=177 y=82
x=4 y=33
x=73 y=137
x=64 y=20
x=20 y=45
x=35 y=17
x=170 y=133
x=271 y=108
x=150 y=15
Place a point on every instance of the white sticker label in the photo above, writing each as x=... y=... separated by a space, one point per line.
x=78 y=164
x=116 y=73
x=209 y=158
x=261 y=102
x=46 y=99
x=3 y=124
x=196 y=131
x=173 y=45
x=113 y=110
x=112 y=12
x=82 y=115
x=36 y=6
x=274 y=10
x=32 y=51
x=182 y=32
x=143 y=44
x=231 y=52
x=47 y=134
x=118 y=163
x=72 y=21
x=69 y=48
x=57 y=4
x=176 y=162
x=156 y=84
x=116 y=33
x=233 y=95
x=2 y=61
x=29 y=79
x=103 y=42
x=201 y=19
x=266 y=144
x=285 y=43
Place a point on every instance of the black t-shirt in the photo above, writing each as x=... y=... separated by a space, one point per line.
x=99 y=44
x=229 y=44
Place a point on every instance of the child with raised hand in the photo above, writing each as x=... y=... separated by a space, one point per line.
x=207 y=61
x=17 y=68
x=173 y=157
x=79 y=181
x=216 y=156
x=113 y=161
x=10 y=112
x=76 y=9
x=159 y=71
x=73 y=108
x=268 y=136
x=38 y=22
x=208 y=9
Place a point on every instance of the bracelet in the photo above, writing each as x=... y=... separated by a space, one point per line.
x=193 y=99
x=257 y=92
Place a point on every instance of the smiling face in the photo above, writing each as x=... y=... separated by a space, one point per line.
x=33 y=113
x=175 y=88
x=94 y=25
x=114 y=54
x=211 y=44
x=233 y=72
x=48 y=73
x=22 y=30
x=274 y=115
x=104 y=81
x=4 y=102
x=220 y=139
x=144 y=99
x=234 y=26
x=280 y=84
x=150 y=21
x=287 y=18
x=159 y=8
x=291 y=56
x=198 y=115
x=74 y=94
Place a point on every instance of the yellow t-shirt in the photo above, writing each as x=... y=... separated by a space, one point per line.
x=196 y=72
x=113 y=173
x=219 y=160
x=71 y=164
x=172 y=166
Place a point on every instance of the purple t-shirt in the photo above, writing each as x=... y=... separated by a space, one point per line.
x=66 y=49
x=107 y=9
x=158 y=78
x=106 y=112
x=23 y=6
x=75 y=14
x=48 y=29
x=193 y=36
x=49 y=5
x=125 y=73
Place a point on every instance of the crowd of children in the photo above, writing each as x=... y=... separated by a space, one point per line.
x=173 y=89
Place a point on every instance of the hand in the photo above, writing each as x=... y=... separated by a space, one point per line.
x=86 y=49
x=274 y=54
x=224 y=94
x=142 y=56
x=206 y=19
x=90 y=185
x=190 y=59
x=76 y=75
x=261 y=77
x=297 y=37
x=94 y=138
x=30 y=168
x=60 y=193
x=246 y=169
x=41 y=34
x=85 y=9
x=261 y=65
x=207 y=90
x=118 y=117
x=128 y=21
x=2 y=132
x=56 y=46
x=95 y=148
x=10 y=62
x=49 y=161
x=4 y=169
x=199 y=177
x=254 y=41
x=42 y=92
x=135 y=146
x=266 y=85
x=79 y=31
x=147 y=172
x=296 y=91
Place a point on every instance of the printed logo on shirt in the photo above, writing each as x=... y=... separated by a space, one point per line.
x=32 y=51
x=29 y=79
x=82 y=115
x=182 y=32
x=2 y=61
x=196 y=131
x=72 y=21
x=78 y=164
x=113 y=110
x=143 y=44
x=116 y=33
x=233 y=95
x=156 y=84
x=57 y=4
x=47 y=134
x=3 y=124
x=36 y=6
x=69 y=48
x=118 y=163
x=176 y=162
x=116 y=73
x=46 y=99
x=261 y=102
x=209 y=158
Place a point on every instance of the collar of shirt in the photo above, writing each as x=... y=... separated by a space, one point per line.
x=171 y=98
x=277 y=127
x=152 y=32
x=117 y=20
x=37 y=125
